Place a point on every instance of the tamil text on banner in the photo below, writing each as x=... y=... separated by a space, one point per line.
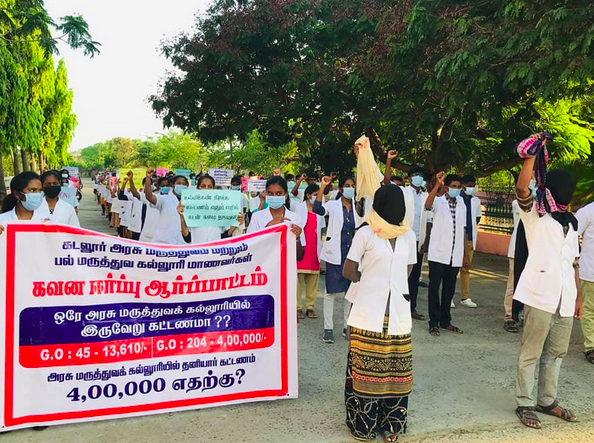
x=107 y=327
x=222 y=177
x=211 y=207
x=256 y=185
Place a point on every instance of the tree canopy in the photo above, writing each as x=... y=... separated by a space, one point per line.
x=36 y=118
x=449 y=83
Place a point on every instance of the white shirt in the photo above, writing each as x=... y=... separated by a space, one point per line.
x=511 y=252
x=585 y=218
x=261 y=218
x=64 y=213
x=384 y=277
x=206 y=234
x=168 y=230
x=150 y=222
x=442 y=247
x=548 y=280
x=11 y=216
x=135 y=223
x=475 y=214
x=331 y=251
x=417 y=219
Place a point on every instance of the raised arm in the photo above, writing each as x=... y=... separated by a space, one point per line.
x=148 y=190
x=318 y=208
x=133 y=189
x=522 y=188
x=295 y=190
x=388 y=172
x=431 y=198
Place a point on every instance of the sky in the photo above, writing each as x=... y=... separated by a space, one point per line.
x=111 y=90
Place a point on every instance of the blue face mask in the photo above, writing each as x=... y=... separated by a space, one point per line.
x=469 y=191
x=348 y=193
x=275 y=201
x=33 y=201
x=313 y=199
x=532 y=184
x=236 y=188
x=418 y=181
x=454 y=193
x=534 y=193
x=165 y=190
x=180 y=188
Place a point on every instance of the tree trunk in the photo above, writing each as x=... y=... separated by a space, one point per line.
x=25 y=160
x=2 y=184
x=15 y=161
x=34 y=163
x=42 y=165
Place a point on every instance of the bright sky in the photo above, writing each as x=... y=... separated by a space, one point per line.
x=111 y=90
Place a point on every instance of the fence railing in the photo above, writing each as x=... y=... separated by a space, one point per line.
x=497 y=209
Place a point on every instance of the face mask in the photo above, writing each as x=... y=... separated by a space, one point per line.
x=454 y=193
x=469 y=191
x=313 y=199
x=348 y=193
x=532 y=184
x=52 y=191
x=418 y=181
x=165 y=190
x=180 y=188
x=290 y=185
x=236 y=188
x=33 y=201
x=275 y=201
x=534 y=193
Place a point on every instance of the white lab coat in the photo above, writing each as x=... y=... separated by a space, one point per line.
x=442 y=233
x=331 y=251
x=585 y=218
x=409 y=193
x=548 y=280
x=511 y=251
x=476 y=213
x=384 y=277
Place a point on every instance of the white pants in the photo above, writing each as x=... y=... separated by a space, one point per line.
x=329 y=309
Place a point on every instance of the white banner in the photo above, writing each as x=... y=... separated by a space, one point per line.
x=222 y=177
x=95 y=327
x=256 y=185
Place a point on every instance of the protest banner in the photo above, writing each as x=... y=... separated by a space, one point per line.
x=183 y=172
x=73 y=171
x=107 y=327
x=256 y=185
x=162 y=172
x=211 y=208
x=222 y=177
x=68 y=194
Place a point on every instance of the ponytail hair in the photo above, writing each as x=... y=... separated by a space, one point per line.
x=18 y=184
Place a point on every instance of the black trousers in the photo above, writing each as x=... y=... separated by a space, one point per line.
x=439 y=308
x=413 y=280
x=135 y=236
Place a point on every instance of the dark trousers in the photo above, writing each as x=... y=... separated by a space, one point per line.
x=135 y=236
x=439 y=309
x=413 y=280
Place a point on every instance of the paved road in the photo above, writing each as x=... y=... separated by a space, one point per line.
x=464 y=386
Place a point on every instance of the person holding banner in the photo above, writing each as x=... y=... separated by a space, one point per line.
x=308 y=269
x=205 y=234
x=24 y=200
x=53 y=207
x=379 y=372
x=339 y=237
x=169 y=229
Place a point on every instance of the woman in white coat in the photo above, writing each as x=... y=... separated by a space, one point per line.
x=339 y=237
x=379 y=371
x=53 y=207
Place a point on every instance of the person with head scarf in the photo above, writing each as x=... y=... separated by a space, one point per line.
x=379 y=374
x=548 y=287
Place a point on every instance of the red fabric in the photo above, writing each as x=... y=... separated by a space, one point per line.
x=310 y=260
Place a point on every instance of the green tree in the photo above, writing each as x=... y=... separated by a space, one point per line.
x=450 y=83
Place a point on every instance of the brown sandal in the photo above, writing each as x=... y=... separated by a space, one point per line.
x=300 y=315
x=527 y=413
x=590 y=356
x=311 y=314
x=565 y=414
x=434 y=331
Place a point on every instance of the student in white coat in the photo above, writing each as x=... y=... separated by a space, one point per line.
x=549 y=289
x=24 y=200
x=417 y=220
x=379 y=371
x=585 y=218
x=205 y=234
x=168 y=230
x=473 y=217
x=446 y=249
x=510 y=324
x=53 y=207
x=339 y=238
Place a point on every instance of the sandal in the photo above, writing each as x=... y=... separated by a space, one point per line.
x=526 y=414
x=300 y=315
x=590 y=356
x=434 y=331
x=564 y=414
x=511 y=326
x=391 y=438
x=311 y=314
x=453 y=328
x=415 y=315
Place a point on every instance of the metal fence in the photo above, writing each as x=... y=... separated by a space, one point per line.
x=497 y=209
